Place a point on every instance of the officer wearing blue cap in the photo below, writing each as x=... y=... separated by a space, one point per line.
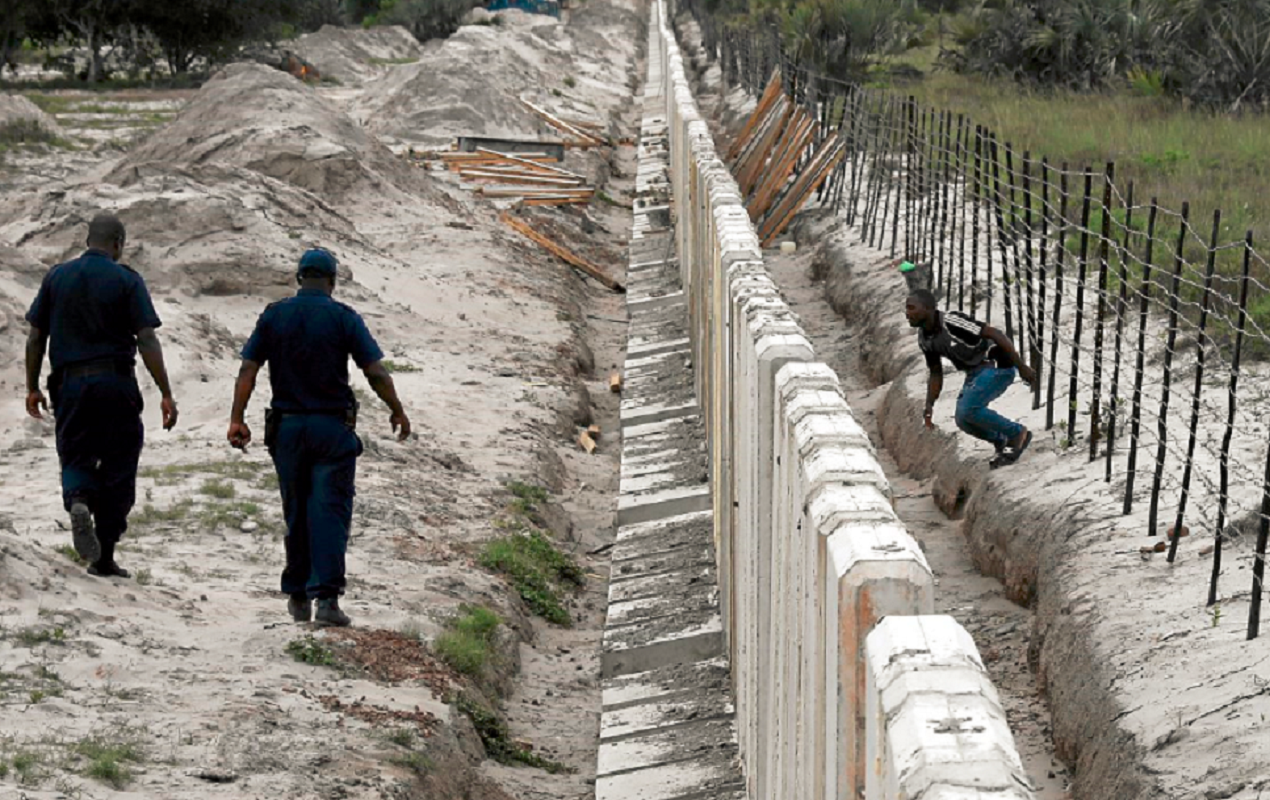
x=309 y=430
x=93 y=315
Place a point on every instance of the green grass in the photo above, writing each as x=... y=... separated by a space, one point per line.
x=185 y=81
x=231 y=470
x=537 y=570
x=144 y=577
x=108 y=756
x=498 y=742
x=466 y=645
x=32 y=636
x=70 y=554
x=28 y=766
x=415 y=762
x=570 y=81
x=149 y=514
x=527 y=497
x=402 y=737
x=222 y=490
x=311 y=651
x=225 y=515
x=391 y=62
x=1170 y=152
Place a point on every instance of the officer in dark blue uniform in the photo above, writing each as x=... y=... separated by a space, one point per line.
x=93 y=315
x=309 y=431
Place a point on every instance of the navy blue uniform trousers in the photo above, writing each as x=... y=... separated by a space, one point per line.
x=99 y=438
x=316 y=459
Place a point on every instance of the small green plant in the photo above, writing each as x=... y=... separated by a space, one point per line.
x=570 y=81
x=311 y=651
x=30 y=637
x=403 y=737
x=108 y=756
x=27 y=764
x=497 y=741
x=605 y=198
x=415 y=762
x=556 y=92
x=219 y=489
x=144 y=576
x=1215 y=614
x=528 y=497
x=537 y=570
x=36 y=696
x=70 y=554
x=149 y=514
x=466 y=644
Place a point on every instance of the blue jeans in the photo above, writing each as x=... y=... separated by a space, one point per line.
x=99 y=438
x=973 y=415
x=316 y=460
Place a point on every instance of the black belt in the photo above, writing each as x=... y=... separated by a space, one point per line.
x=88 y=368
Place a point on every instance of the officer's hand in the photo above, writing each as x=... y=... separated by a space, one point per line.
x=400 y=425
x=239 y=435
x=34 y=402
x=168 y=406
x=1028 y=375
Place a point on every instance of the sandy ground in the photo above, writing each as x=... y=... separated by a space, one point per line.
x=499 y=351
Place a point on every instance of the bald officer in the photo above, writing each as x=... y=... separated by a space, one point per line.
x=93 y=315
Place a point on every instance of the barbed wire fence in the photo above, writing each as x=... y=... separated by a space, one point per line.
x=1135 y=317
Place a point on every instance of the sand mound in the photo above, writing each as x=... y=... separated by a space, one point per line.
x=253 y=116
x=207 y=229
x=355 y=55
x=14 y=107
x=443 y=95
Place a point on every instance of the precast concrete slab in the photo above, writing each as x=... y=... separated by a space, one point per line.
x=665 y=746
x=645 y=540
x=679 y=637
x=659 y=684
x=662 y=574
x=662 y=503
x=706 y=777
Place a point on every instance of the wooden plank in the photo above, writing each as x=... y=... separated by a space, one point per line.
x=521 y=177
x=560 y=124
x=564 y=254
x=536 y=165
x=532 y=191
x=588 y=444
x=556 y=201
x=615 y=383
x=765 y=102
x=747 y=153
x=830 y=152
x=782 y=164
x=749 y=177
x=594 y=431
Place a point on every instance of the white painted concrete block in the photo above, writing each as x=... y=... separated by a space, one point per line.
x=935 y=724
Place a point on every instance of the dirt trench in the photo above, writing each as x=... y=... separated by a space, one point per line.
x=1000 y=627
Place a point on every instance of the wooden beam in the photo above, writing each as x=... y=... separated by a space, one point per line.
x=560 y=124
x=747 y=179
x=521 y=177
x=536 y=165
x=827 y=156
x=769 y=96
x=561 y=252
x=798 y=137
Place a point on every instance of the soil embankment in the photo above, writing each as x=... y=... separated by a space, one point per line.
x=189 y=680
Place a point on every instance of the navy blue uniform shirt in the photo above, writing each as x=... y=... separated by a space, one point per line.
x=92 y=309
x=307 y=340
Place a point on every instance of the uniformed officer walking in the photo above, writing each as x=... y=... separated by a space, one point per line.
x=309 y=431
x=93 y=315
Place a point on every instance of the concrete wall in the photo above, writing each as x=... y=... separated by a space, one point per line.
x=810 y=552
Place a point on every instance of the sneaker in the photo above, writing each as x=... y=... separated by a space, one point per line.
x=328 y=613
x=83 y=534
x=301 y=608
x=108 y=569
x=1011 y=454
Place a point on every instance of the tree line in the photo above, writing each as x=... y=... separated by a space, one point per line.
x=182 y=35
x=1212 y=53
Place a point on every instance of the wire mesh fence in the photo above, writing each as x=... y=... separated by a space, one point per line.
x=1144 y=324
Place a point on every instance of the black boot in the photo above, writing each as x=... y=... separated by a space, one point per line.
x=84 y=533
x=328 y=613
x=107 y=568
x=301 y=608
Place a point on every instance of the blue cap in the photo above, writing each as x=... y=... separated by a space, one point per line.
x=320 y=261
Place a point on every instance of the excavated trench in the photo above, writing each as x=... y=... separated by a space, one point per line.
x=1001 y=628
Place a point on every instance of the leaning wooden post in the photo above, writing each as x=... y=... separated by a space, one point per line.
x=1082 y=268
x=1104 y=256
x=1179 y=263
x=1060 y=256
x=1122 y=304
x=1144 y=297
